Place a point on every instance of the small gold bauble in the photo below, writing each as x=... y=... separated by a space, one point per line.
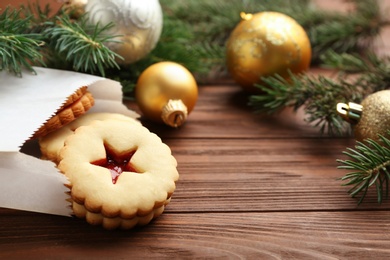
x=166 y=92
x=265 y=44
x=375 y=117
x=371 y=118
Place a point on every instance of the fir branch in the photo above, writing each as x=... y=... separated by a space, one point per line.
x=319 y=96
x=346 y=33
x=348 y=63
x=39 y=15
x=214 y=20
x=18 y=50
x=374 y=71
x=369 y=165
x=82 y=45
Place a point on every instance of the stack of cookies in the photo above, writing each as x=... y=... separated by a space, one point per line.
x=120 y=174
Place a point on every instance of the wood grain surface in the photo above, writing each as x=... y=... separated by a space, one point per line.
x=251 y=187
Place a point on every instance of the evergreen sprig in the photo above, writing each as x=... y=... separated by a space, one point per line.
x=319 y=95
x=18 y=49
x=82 y=45
x=373 y=71
x=348 y=33
x=370 y=166
x=29 y=36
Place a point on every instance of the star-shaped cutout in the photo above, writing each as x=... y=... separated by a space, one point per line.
x=116 y=163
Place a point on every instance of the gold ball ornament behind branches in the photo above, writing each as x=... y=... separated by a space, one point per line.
x=370 y=118
x=75 y=8
x=138 y=25
x=265 y=44
x=166 y=92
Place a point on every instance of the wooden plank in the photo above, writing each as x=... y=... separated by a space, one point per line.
x=293 y=235
x=261 y=175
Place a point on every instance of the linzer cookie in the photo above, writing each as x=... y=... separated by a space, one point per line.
x=121 y=175
x=76 y=105
x=52 y=143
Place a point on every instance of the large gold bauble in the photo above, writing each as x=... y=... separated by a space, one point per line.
x=265 y=44
x=166 y=92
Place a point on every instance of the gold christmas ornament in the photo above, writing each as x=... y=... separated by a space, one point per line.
x=166 y=92
x=265 y=44
x=370 y=118
x=75 y=8
x=138 y=25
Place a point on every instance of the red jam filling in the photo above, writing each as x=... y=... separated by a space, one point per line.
x=116 y=164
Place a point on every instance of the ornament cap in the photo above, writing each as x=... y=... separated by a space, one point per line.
x=174 y=113
x=350 y=112
x=246 y=16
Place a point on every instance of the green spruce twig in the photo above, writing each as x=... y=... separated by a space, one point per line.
x=29 y=36
x=374 y=72
x=82 y=45
x=18 y=49
x=370 y=166
x=318 y=96
x=349 y=33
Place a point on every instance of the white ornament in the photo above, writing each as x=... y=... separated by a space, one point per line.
x=138 y=25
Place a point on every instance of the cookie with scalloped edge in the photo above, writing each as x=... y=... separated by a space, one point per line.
x=75 y=106
x=120 y=173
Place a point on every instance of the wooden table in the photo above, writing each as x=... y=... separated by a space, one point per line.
x=251 y=186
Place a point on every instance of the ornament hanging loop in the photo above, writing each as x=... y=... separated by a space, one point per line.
x=174 y=113
x=350 y=112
